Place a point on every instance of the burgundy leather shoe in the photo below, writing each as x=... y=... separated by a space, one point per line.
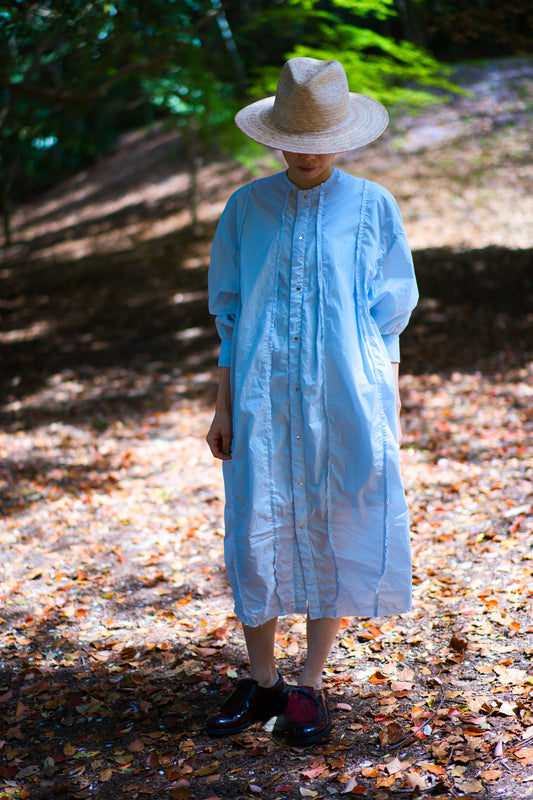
x=306 y=717
x=248 y=703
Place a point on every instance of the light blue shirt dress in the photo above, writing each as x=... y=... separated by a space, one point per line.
x=310 y=290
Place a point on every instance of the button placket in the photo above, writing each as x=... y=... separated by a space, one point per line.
x=297 y=299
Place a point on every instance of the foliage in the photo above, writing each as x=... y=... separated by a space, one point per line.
x=390 y=70
x=75 y=73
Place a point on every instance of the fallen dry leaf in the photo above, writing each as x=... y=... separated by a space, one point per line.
x=525 y=756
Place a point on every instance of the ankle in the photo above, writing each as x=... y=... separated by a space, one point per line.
x=314 y=681
x=265 y=678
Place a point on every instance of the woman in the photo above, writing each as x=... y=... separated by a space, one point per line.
x=311 y=282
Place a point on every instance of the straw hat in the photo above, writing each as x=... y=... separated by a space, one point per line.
x=313 y=111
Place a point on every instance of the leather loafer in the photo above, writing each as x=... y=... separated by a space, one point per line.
x=307 y=719
x=248 y=703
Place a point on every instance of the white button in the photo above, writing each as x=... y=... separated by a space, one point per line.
x=300 y=237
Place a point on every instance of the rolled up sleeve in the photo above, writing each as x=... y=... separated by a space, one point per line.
x=224 y=280
x=393 y=292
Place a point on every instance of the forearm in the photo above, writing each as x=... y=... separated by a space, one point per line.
x=396 y=374
x=223 y=402
x=220 y=433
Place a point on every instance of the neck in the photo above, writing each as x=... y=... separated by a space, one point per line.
x=302 y=182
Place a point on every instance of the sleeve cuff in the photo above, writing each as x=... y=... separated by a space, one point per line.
x=224 y=359
x=392 y=343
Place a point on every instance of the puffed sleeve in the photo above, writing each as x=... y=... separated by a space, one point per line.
x=224 y=277
x=393 y=292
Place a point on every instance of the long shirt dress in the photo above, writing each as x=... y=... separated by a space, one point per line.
x=311 y=289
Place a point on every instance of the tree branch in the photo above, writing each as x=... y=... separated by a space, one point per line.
x=59 y=96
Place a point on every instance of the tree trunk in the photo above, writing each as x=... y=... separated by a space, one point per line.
x=6 y=220
x=231 y=47
x=412 y=28
x=5 y=204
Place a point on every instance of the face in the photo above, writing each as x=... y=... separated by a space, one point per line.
x=307 y=171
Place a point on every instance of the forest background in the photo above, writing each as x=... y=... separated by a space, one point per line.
x=75 y=74
x=117 y=153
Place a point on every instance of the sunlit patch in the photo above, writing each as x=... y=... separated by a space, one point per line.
x=189 y=297
x=191 y=333
x=34 y=331
x=65 y=390
x=193 y=263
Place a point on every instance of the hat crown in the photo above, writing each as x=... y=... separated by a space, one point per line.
x=312 y=96
x=313 y=111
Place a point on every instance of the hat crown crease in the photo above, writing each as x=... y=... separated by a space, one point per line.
x=311 y=100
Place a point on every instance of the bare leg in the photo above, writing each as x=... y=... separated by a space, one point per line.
x=260 y=644
x=321 y=634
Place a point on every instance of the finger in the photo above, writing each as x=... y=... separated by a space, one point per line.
x=217 y=447
x=226 y=444
x=212 y=441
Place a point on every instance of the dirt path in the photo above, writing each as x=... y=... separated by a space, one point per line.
x=117 y=632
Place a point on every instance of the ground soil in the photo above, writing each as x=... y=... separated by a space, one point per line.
x=117 y=631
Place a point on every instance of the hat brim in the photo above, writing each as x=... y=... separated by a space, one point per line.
x=366 y=122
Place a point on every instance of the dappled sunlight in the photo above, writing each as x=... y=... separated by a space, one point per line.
x=36 y=330
x=118 y=627
x=77 y=210
x=103 y=240
x=136 y=157
x=451 y=167
x=62 y=391
x=136 y=195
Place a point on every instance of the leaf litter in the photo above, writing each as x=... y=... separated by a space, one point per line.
x=117 y=633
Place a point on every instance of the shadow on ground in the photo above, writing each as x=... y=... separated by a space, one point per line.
x=88 y=340
x=95 y=696
x=475 y=312
x=125 y=715
x=113 y=330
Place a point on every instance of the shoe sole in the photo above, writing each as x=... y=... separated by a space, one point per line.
x=217 y=732
x=302 y=741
